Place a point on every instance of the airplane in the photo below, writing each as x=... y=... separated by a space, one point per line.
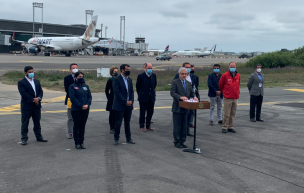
x=203 y=52
x=62 y=44
x=160 y=51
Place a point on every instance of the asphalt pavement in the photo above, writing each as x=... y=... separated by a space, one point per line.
x=260 y=157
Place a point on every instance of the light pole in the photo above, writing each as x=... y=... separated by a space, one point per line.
x=122 y=33
x=38 y=5
x=106 y=31
x=88 y=12
x=101 y=30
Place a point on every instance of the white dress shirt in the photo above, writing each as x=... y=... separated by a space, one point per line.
x=32 y=84
x=126 y=83
x=189 y=78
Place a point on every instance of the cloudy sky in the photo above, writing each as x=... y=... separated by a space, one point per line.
x=234 y=25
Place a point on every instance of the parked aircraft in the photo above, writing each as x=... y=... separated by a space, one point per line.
x=160 y=51
x=203 y=52
x=62 y=44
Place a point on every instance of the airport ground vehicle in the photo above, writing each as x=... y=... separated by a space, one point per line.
x=164 y=57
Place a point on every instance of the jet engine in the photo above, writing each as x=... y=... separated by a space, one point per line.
x=34 y=49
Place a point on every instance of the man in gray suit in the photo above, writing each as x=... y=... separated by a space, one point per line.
x=181 y=90
x=256 y=89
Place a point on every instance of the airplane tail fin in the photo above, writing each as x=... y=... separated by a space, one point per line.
x=204 y=49
x=213 y=49
x=13 y=38
x=91 y=30
x=166 y=49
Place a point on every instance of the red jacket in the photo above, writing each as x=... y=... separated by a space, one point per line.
x=230 y=86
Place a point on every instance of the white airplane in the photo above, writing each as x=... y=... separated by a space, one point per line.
x=64 y=44
x=160 y=51
x=203 y=52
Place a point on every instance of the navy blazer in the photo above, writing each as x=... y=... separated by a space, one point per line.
x=121 y=93
x=80 y=95
x=194 y=80
x=144 y=88
x=68 y=81
x=109 y=94
x=28 y=94
x=213 y=84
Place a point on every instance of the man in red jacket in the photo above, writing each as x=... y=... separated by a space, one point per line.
x=230 y=86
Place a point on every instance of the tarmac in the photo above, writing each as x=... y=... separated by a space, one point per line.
x=260 y=157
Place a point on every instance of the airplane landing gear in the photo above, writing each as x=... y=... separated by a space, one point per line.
x=67 y=54
x=47 y=54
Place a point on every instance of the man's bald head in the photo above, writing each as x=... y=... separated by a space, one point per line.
x=147 y=66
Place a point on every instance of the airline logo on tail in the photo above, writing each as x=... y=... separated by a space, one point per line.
x=90 y=31
x=166 y=49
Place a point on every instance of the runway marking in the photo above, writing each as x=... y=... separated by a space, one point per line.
x=30 y=61
x=296 y=90
x=10 y=108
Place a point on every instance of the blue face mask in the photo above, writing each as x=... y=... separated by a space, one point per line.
x=232 y=69
x=188 y=70
x=149 y=71
x=216 y=70
x=31 y=75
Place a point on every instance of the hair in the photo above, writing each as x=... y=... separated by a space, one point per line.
x=231 y=63
x=258 y=65
x=181 y=68
x=184 y=64
x=216 y=65
x=77 y=74
x=112 y=69
x=72 y=65
x=27 y=68
x=192 y=65
x=123 y=66
x=145 y=65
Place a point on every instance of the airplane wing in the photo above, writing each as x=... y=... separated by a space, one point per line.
x=50 y=47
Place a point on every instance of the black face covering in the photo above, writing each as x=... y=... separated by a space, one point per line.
x=115 y=74
x=127 y=73
x=192 y=71
x=80 y=80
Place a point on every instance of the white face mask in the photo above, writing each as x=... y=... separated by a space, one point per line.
x=75 y=70
x=259 y=70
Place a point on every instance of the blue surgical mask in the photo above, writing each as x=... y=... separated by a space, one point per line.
x=216 y=70
x=232 y=69
x=31 y=75
x=149 y=71
x=188 y=70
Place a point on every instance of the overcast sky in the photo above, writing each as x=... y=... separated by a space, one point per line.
x=234 y=25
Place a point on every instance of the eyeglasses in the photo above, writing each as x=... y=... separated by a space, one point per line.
x=215 y=68
x=183 y=73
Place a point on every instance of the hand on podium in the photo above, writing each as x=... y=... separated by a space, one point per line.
x=184 y=98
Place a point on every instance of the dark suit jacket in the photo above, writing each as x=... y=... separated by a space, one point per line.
x=253 y=85
x=213 y=84
x=121 y=93
x=27 y=94
x=68 y=81
x=110 y=94
x=177 y=91
x=144 y=89
x=194 y=80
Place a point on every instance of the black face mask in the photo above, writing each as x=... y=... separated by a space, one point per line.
x=80 y=80
x=115 y=74
x=192 y=71
x=127 y=73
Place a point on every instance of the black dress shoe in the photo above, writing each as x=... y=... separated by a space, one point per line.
x=82 y=146
x=224 y=130
x=78 y=146
x=231 y=130
x=220 y=122
x=252 y=120
x=42 y=140
x=260 y=120
x=130 y=141
x=189 y=134
x=184 y=146
x=115 y=142
x=112 y=131
x=23 y=142
x=178 y=145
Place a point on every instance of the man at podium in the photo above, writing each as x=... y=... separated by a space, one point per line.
x=181 y=90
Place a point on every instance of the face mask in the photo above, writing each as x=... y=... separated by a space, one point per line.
x=31 y=75
x=75 y=70
x=259 y=70
x=115 y=74
x=127 y=73
x=149 y=71
x=192 y=71
x=188 y=70
x=232 y=69
x=216 y=70
x=80 y=80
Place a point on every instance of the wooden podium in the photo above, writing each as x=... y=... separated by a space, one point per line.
x=194 y=106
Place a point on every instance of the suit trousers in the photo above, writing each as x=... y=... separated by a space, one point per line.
x=230 y=106
x=126 y=115
x=80 y=118
x=255 y=102
x=180 y=127
x=70 y=122
x=112 y=116
x=25 y=119
x=191 y=112
x=146 y=107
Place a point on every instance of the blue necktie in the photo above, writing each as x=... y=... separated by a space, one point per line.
x=185 y=87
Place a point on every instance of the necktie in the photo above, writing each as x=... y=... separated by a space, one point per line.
x=185 y=87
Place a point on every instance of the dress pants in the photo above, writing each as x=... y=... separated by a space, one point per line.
x=149 y=107
x=189 y=120
x=70 y=122
x=219 y=103
x=126 y=115
x=112 y=117
x=25 y=119
x=180 y=127
x=255 y=102
x=80 y=119
x=230 y=106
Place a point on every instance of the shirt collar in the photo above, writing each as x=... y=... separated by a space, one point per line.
x=29 y=79
x=148 y=74
x=125 y=78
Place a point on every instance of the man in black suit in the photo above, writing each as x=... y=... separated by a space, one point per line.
x=123 y=102
x=181 y=90
x=68 y=81
x=194 y=83
x=31 y=95
x=145 y=87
